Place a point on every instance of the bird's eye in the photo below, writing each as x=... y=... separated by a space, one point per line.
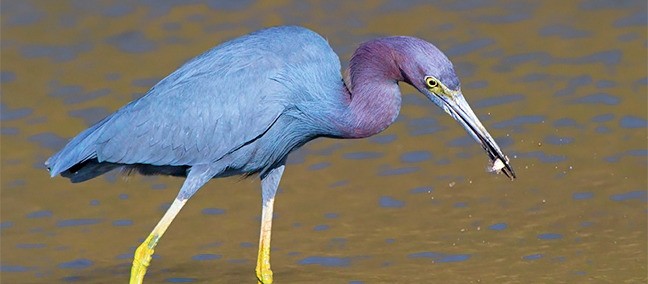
x=431 y=82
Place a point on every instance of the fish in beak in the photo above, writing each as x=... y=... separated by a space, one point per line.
x=455 y=105
x=460 y=110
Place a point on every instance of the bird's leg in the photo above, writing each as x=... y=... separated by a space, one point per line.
x=263 y=271
x=269 y=184
x=197 y=177
x=144 y=252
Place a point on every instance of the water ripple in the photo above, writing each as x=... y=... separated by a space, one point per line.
x=500 y=100
x=565 y=122
x=563 y=31
x=13 y=268
x=48 y=140
x=384 y=139
x=440 y=257
x=415 y=156
x=56 y=53
x=7 y=113
x=582 y=195
x=122 y=223
x=80 y=263
x=498 y=227
x=213 y=211
x=180 y=280
x=639 y=195
x=535 y=256
x=573 y=85
x=326 y=261
x=519 y=121
x=77 y=222
x=363 y=155
x=7 y=77
x=541 y=156
x=390 y=202
x=319 y=166
x=20 y=13
x=397 y=171
x=40 y=214
x=639 y=18
x=630 y=121
x=206 y=256
x=132 y=42
x=550 y=236
x=603 y=117
x=468 y=47
x=558 y=140
x=598 y=98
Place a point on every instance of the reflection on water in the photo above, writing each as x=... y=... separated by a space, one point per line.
x=561 y=86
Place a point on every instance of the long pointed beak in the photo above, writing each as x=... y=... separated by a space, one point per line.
x=459 y=109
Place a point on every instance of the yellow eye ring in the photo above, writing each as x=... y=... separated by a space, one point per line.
x=431 y=82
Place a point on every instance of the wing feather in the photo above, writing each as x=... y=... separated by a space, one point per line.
x=197 y=114
x=211 y=106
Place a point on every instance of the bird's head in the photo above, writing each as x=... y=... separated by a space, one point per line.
x=425 y=67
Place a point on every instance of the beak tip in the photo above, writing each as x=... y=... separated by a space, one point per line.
x=510 y=173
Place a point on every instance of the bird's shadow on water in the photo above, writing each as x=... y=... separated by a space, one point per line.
x=205 y=272
x=178 y=272
x=199 y=272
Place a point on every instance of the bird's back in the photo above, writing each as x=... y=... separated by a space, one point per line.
x=214 y=106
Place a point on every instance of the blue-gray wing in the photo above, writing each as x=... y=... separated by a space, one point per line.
x=195 y=117
x=211 y=106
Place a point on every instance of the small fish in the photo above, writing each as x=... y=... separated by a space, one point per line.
x=497 y=165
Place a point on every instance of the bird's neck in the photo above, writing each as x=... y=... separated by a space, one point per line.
x=372 y=95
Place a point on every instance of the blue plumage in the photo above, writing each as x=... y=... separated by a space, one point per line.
x=243 y=106
x=218 y=106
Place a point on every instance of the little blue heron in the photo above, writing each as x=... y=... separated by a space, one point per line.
x=241 y=107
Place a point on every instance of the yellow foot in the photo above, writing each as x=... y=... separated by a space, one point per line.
x=142 y=259
x=264 y=276
x=263 y=271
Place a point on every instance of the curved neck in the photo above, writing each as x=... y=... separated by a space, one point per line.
x=372 y=93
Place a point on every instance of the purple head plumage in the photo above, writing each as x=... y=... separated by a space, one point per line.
x=422 y=65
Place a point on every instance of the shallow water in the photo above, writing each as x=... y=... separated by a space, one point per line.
x=562 y=87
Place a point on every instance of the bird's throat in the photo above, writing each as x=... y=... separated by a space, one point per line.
x=371 y=109
x=371 y=82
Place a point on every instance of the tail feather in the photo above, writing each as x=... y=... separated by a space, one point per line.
x=79 y=150
x=78 y=160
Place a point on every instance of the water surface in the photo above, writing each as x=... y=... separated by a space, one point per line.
x=561 y=86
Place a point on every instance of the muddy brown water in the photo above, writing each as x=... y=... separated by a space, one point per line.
x=561 y=85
